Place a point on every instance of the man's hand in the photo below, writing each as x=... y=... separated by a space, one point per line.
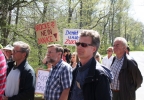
x=4 y=98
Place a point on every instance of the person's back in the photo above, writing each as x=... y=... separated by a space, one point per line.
x=3 y=68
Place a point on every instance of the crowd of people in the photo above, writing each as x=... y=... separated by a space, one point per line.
x=80 y=75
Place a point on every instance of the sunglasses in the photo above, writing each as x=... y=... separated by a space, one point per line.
x=83 y=44
x=109 y=51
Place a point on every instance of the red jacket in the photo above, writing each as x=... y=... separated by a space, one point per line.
x=3 y=69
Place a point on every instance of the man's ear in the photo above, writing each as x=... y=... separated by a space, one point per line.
x=124 y=48
x=94 y=49
x=24 y=54
x=60 y=54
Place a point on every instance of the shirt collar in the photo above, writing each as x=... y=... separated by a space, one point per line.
x=21 y=66
x=57 y=64
x=120 y=60
x=84 y=67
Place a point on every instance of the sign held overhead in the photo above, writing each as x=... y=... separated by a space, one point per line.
x=47 y=32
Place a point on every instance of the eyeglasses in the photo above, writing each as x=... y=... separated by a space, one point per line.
x=109 y=51
x=15 y=51
x=50 y=52
x=83 y=44
x=97 y=56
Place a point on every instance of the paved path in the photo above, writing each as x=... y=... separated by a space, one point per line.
x=139 y=57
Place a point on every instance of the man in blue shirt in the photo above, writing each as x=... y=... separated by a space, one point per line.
x=91 y=81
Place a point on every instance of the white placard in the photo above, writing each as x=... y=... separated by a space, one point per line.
x=42 y=76
x=70 y=36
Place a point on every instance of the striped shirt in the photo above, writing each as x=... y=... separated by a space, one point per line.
x=115 y=68
x=60 y=78
x=3 y=69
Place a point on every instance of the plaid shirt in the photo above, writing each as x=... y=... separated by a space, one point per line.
x=60 y=78
x=115 y=68
x=3 y=69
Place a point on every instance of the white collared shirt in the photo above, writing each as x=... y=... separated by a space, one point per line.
x=107 y=61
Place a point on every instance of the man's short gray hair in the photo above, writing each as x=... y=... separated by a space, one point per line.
x=95 y=38
x=123 y=40
x=57 y=47
x=24 y=47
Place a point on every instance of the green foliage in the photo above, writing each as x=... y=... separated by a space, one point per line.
x=110 y=19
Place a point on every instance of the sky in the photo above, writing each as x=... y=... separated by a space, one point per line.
x=137 y=10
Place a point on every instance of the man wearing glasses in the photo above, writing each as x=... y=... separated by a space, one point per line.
x=107 y=60
x=91 y=81
x=60 y=78
x=20 y=83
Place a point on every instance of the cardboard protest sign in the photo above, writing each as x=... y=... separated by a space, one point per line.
x=42 y=76
x=70 y=36
x=47 y=32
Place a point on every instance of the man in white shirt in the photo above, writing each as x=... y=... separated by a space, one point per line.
x=107 y=60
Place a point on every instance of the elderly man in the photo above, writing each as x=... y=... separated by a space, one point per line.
x=127 y=76
x=59 y=81
x=20 y=83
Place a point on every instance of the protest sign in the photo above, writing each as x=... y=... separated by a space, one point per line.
x=70 y=36
x=42 y=76
x=47 y=32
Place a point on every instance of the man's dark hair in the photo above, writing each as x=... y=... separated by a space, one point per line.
x=65 y=50
x=128 y=48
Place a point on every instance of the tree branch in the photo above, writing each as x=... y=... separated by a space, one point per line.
x=98 y=21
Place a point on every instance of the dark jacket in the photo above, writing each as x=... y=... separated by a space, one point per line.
x=97 y=83
x=130 y=78
x=10 y=66
x=68 y=58
x=27 y=82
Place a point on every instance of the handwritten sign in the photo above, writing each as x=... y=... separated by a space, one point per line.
x=47 y=32
x=70 y=36
x=42 y=76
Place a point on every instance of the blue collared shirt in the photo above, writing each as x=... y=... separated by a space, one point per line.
x=60 y=78
x=81 y=75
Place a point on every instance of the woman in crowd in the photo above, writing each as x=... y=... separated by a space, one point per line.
x=98 y=57
x=74 y=60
